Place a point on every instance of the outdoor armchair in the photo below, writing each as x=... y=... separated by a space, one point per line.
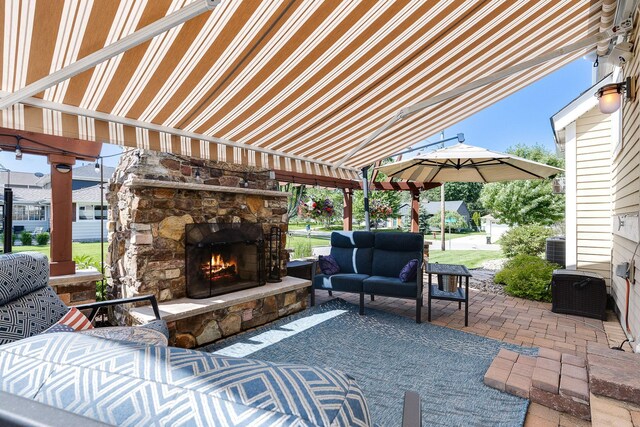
x=29 y=306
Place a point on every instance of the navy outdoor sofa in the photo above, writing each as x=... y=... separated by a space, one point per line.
x=370 y=263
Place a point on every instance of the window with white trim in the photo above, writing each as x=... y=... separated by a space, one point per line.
x=91 y=212
x=29 y=213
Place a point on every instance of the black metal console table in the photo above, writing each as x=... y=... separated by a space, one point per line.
x=461 y=294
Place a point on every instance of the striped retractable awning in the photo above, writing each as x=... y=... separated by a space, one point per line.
x=291 y=85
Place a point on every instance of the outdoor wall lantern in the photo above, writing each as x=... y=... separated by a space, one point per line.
x=610 y=96
x=63 y=168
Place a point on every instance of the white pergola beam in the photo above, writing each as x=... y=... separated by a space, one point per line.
x=160 y=26
x=415 y=108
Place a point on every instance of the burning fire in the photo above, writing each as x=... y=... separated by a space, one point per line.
x=218 y=267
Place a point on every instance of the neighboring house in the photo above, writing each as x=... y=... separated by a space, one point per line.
x=602 y=184
x=32 y=202
x=458 y=206
x=433 y=208
x=20 y=179
x=83 y=177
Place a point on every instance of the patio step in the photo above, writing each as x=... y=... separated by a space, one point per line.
x=557 y=381
x=614 y=373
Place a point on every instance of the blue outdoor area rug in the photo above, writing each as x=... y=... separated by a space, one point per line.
x=388 y=354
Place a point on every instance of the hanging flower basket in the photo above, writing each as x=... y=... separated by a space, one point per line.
x=319 y=209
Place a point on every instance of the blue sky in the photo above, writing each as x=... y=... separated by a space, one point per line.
x=522 y=118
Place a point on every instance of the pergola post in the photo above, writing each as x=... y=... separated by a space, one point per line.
x=415 y=211
x=61 y=215
x=347 y=209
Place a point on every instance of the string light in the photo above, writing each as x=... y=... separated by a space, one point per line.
x=96 y=167
x=18 y=152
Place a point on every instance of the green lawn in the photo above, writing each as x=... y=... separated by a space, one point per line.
x=469 y=258
x=79 y=249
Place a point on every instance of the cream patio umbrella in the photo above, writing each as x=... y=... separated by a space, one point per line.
x=466 y=163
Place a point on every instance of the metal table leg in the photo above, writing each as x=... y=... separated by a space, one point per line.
x=429 y=298
x=466 y=301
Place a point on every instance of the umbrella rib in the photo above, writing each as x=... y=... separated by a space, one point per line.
x=474 y=165
x=521 y=169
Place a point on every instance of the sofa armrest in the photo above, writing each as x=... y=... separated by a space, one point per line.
x=412 y=410
x=95 y=306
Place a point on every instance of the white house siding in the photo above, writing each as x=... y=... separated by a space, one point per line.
x=626 y=199
x=593 y=193
x=32 y=225
x=87 y=230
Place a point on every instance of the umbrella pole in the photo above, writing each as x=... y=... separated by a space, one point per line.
x=365 y=189
x=442 y=213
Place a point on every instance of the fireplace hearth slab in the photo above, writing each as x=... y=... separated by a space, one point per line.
x=183 y=308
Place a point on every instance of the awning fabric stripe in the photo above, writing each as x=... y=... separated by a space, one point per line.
x=302 y=81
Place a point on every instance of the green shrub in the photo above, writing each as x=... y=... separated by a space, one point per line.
x=525 y=240
x=26 y=238
x=527 y=276
x=84 y=262
x=42 y=239
x=302 y=248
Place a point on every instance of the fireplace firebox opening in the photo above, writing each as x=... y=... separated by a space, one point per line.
x=223 y=258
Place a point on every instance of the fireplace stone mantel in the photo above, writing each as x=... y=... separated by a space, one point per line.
x=152 y=183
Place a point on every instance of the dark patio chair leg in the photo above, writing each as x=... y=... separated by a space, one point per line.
x=312 y=294
x=459 y=305
x=330 y=293
x=372 y=298
x=361 y=303
x=418 y=310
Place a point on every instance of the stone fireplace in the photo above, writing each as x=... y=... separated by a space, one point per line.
x=176 y=222
x=222 y=258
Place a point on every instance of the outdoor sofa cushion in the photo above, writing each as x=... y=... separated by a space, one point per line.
x=28 y=305
x=352 y=251
x=132 y=384
x=390 y=286
x=392 y=251
x=340 y=282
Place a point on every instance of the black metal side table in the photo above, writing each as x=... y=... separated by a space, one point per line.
x=461 y=294
x=303 y=269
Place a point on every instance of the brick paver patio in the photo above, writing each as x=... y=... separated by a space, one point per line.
x=509 y=319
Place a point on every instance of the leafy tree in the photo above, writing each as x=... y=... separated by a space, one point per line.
x=476 y=219
x=452 y=219
x=527 y=201
x=467 y=191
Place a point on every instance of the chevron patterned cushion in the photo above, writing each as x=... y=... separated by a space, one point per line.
x=130 y=384
x=28 y=305
x=21 y=274
x=30 y=315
